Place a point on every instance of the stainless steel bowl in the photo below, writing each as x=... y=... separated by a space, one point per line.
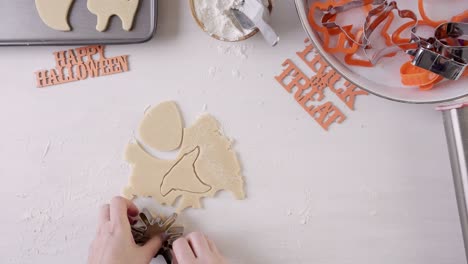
x=450 y=90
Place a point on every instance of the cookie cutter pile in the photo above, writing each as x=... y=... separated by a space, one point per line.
x=147 y=226
x=441 y=56
x=446 y=53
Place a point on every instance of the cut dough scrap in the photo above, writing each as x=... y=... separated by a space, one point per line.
x=147 y=174
x=183 y=176
x=105 y=9
x=217 y=166
x=54 y=13
x=162 y=127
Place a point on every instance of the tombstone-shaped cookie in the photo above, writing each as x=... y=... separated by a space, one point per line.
x=54 y=13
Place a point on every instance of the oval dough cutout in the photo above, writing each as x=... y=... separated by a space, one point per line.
x=162 y=128
x=54 y=13
x=105 y=9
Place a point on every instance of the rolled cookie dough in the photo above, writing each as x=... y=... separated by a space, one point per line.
x=216 y=167
x=104 y=9
x=183 y=176
x=162 y=127
x=54 y=13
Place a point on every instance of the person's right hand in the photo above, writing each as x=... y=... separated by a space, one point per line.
x=196 y=248
x=114 y=242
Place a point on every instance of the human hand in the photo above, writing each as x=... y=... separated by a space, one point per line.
x=196 y=248
x=114 y=242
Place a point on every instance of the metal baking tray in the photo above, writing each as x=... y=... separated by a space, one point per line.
x=21 y=25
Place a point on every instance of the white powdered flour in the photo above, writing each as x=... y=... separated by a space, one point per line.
x=215 y=15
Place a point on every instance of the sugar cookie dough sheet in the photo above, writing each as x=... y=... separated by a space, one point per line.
x=206 y=162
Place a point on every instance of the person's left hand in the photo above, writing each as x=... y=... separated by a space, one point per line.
x=114 y=242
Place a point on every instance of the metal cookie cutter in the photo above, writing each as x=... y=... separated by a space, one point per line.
x=439 y=57
x=381 y=13
x=438 y=64
x=332 y=11
x=452 y=32
x=374 y=18
x=148 y=227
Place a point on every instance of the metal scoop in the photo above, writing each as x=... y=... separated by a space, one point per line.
x=251 y=14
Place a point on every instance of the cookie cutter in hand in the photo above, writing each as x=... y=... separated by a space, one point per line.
x=148 y=227
x=433 y=54
x=374 y=18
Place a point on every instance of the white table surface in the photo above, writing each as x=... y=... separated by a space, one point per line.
x=376 y=189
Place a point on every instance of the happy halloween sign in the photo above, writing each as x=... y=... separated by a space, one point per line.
x=80 y=64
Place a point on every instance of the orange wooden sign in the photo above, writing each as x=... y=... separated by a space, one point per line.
x=80 y=64
x=309 y=91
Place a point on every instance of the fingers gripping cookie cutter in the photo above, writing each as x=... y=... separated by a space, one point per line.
x=148 y=227
x=436 y=55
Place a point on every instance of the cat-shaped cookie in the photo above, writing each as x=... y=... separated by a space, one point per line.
x=105 y=9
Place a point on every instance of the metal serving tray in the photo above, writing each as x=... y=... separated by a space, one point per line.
x=21 y=25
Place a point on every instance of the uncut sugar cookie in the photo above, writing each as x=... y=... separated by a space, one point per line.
x=165 y=121
x=105 y=9
x=54 y=13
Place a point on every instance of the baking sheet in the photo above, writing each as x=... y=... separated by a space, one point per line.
x=21 y=25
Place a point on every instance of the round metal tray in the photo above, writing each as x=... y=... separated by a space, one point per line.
x=377 y=80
